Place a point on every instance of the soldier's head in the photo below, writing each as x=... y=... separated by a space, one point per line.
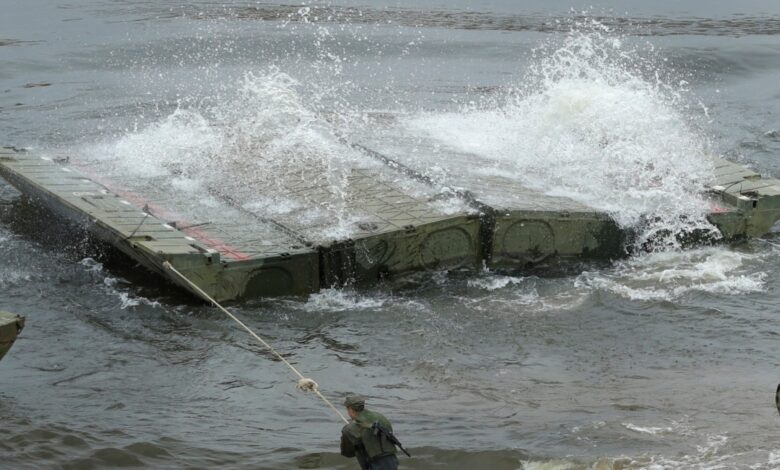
x=355 y=404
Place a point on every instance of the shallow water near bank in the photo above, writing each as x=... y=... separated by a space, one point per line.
x=666 y=359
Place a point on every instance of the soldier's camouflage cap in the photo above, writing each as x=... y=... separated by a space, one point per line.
x=354 y=400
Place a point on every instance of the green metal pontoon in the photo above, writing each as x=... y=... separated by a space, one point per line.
x=396 y=223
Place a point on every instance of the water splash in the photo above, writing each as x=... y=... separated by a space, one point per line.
x=670 y=275
x=267 y=120
x=593 y=121
x=494 y=282
x=341 y=300
x=652 y=430
x=111 y=284
x=263 y=149
x=256 y=146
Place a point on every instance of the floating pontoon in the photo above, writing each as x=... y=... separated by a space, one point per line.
x=236 y=250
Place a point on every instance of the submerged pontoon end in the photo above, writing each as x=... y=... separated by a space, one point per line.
x=745 y=204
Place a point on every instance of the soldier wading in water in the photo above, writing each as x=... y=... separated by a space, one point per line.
x=369 y=437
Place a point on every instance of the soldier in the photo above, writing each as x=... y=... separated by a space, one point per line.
x=368 y=437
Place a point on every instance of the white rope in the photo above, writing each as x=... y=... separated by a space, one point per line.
x=304 y=384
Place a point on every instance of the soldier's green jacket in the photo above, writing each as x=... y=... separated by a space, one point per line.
x=359 y=440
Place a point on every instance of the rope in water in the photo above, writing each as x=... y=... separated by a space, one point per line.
x=304 y=383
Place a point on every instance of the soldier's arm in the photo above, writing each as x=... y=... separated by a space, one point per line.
x=347 y=447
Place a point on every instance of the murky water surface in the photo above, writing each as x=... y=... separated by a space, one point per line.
x=667 y=359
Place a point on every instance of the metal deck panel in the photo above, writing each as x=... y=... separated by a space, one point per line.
x=373 y=225
x=277 y=266
x=523 y=225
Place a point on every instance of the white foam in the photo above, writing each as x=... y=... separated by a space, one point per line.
x=110 y=283
x=448 y=205
x=673 y=274
x=337 y=300
x=494 y=282
x=707 y=456
x=647 y=429
x=555 y=464
x=91 y=265
x=128 y=301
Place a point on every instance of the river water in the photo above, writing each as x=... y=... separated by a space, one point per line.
x=667 y=359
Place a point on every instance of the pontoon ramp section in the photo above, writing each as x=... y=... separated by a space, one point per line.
x=228 y=261
x=238 y=250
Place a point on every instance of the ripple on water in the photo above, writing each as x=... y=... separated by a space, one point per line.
x=127 y=298
x=114 y=457
x=26 y=444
